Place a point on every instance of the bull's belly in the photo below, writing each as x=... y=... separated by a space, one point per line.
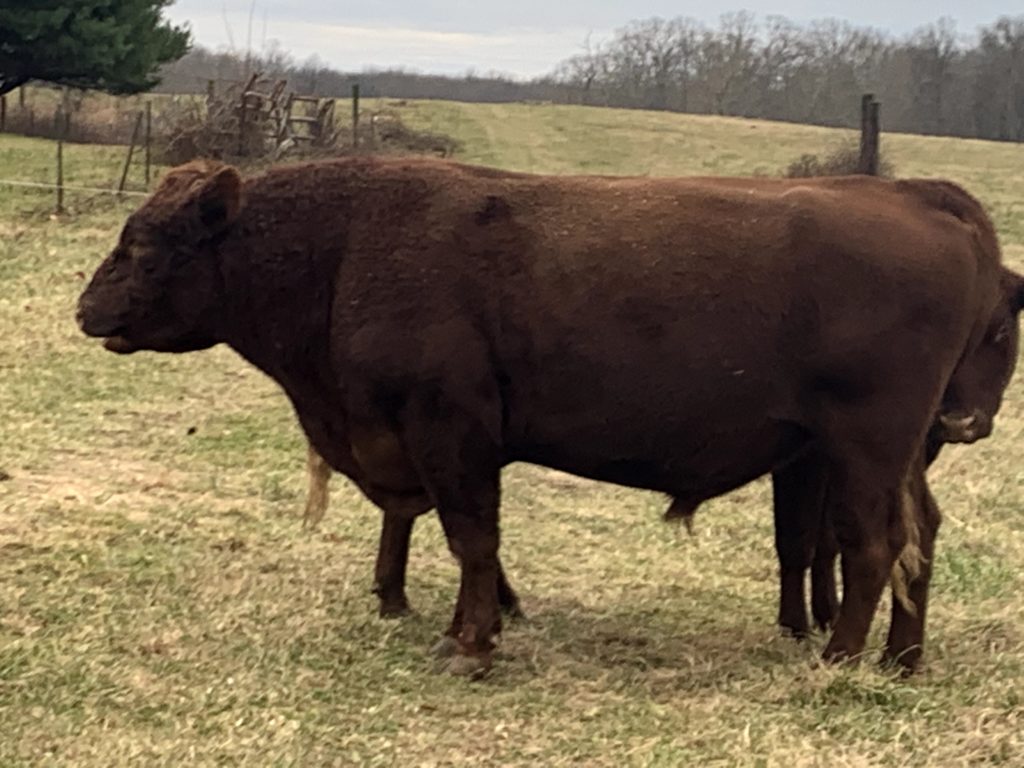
x=687 y=465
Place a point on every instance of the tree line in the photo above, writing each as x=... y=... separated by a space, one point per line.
x=931 y=81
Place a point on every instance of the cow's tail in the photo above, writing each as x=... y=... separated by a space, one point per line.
x=908 y=564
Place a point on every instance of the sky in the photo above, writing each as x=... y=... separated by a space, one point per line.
x=522 y=38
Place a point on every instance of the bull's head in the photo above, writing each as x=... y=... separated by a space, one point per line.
x=161 y=287
x=975 y=391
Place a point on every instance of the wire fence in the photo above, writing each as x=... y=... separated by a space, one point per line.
x=124 y=163
x=72 y=188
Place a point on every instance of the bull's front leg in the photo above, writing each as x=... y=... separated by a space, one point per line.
x=458 y=457
x=474 y=543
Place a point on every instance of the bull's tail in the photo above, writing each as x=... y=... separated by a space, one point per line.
x=908 y=564
x=319 y=473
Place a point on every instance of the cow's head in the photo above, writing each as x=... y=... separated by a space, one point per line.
x=160 y=289
x=975 y=390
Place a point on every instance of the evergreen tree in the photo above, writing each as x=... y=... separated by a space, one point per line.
x=111 y=45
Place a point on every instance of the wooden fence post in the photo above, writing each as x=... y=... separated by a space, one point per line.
x=60 y=175
x=869 y=135
x=131 y=151
x=243 y=118
x=355 y=116
x=149 y=137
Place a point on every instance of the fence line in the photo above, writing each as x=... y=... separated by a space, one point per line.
x=46 y=185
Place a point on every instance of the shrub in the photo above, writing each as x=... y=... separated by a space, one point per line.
x=844 y=160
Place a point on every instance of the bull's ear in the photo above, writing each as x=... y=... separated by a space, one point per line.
x=1018 y=292
x=218 y=199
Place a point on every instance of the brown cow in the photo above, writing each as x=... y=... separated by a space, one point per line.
x=432 y=322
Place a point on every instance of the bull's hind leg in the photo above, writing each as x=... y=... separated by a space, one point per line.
x=905 y=644
x=798 y=496
x=871 y=536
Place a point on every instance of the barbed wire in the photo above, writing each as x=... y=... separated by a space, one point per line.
x=71 y=188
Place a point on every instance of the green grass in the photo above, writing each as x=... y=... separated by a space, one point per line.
x=161 y=605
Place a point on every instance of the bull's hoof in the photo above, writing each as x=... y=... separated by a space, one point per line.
x=905 y=663
x=394 y=610
x=835 y=654
x=825 y=618
x=472 y=667
x=825 y=625
x=796 y=633
x=514 y=612
x=445 y=648
x=794 y=624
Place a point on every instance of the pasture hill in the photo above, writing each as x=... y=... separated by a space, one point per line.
x=161 y=604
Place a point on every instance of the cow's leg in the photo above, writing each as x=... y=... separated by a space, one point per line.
x=905 y=644
x=868 y=526
x=824 y=596
x=392 y=557
x=798 y=496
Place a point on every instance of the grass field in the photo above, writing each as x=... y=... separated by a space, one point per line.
x=160 y=604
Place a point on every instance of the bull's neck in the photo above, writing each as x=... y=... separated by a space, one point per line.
x=277 y=303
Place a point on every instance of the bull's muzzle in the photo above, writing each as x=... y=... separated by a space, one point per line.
x=95 y=322
x=963 y=428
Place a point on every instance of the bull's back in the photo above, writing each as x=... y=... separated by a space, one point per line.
x=685 y=325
